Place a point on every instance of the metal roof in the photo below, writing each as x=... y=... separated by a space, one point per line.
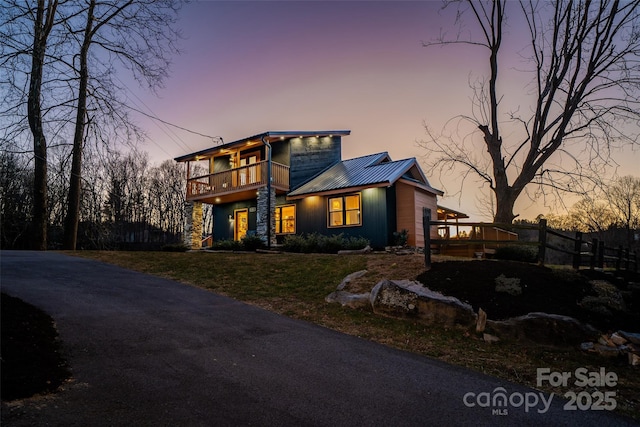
x=372 y=170
x=270 y=136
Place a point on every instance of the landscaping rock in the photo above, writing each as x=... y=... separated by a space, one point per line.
x=490 y=338
x=544 y=328
x=350 y=278
x=617 y=344
x=404 y=298
x=347 y=299
x=482 y=320
x=364 y=250
x=629 y=336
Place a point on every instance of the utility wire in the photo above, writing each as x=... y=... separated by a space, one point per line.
x=215 y=138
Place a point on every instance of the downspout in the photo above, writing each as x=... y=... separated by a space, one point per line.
x=266 y=144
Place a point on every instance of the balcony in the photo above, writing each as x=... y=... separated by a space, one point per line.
x=237 y=183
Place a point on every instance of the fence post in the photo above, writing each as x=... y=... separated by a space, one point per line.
x=627 y=258
x=601 y=254
x=426 y=229
x=577 y=248
x=619 y=258
x=594 y=253
x=542 y=240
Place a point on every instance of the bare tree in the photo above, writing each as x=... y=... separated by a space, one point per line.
x=585 y=98
x=25 y=33
x=624 y=202
x=139 y=35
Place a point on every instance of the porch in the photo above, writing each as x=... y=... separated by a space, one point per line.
x=237 y=183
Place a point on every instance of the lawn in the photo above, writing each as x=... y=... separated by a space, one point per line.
x=295 y=285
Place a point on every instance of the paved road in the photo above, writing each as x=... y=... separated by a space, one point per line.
x=149 y=351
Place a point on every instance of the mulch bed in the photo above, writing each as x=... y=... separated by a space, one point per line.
x=543 y=290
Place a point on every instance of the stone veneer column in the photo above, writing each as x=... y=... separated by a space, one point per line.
x=192 y=234
x=262 y=210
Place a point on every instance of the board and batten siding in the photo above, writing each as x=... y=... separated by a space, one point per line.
x=311 y=155
x=410 y=201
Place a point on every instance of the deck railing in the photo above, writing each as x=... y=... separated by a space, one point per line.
x=238 y=179
x=597 y=254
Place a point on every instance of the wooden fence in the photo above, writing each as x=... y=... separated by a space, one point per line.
x=596 y=253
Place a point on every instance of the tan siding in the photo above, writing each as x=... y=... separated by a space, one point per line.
x=405 y=212
x=424 y=200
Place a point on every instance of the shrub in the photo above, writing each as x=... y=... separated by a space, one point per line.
x=330 y=244
x=355 y=243
x=517 y=253
x=226 y=245
x=247 y=243
x=318 y=243
x=400 y=238
x=293 y=243
x=252 y=242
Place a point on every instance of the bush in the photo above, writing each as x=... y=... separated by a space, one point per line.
x=248 y=243
x=318 y=243
x=517 y=253
x=226 y=245
x=355 y=243
x=252 y=242
x=400 y=238
x=293 y=243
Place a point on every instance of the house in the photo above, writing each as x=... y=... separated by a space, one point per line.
x=278 y=183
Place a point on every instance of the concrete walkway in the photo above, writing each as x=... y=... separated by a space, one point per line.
x=150 y=351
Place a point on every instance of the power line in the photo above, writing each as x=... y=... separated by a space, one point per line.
x=218 y=138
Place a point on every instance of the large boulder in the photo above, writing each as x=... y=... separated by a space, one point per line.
x=405 y=298
x=543 y=328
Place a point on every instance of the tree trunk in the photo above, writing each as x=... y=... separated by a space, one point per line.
x=42 y=28
x=75 y=181
x=505 y=200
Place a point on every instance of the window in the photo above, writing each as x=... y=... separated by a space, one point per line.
x=344 y=211
x=286 y=219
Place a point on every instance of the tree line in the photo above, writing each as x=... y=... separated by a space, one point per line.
x=126 y=202
x=61 y=63
x=610 y=214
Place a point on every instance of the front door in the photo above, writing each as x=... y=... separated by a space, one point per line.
x=242 y=223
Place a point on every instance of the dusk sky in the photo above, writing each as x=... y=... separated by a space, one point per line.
x=250 y=67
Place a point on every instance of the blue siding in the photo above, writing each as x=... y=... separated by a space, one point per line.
x=378 y=217
x=222 y=227
x=281 y=152
x=311 y=155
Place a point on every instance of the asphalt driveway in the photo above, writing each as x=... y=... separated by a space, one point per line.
x=149 y=351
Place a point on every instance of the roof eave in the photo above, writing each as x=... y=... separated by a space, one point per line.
x=338 y=191
x=268 y=135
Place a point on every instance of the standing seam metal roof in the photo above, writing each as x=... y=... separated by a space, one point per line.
x=358 y=172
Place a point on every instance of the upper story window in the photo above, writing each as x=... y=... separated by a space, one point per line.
x=345 y=211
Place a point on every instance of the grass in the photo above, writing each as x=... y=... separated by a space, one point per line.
x=295 y=285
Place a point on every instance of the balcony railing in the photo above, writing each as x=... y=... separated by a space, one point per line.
x=238 y=179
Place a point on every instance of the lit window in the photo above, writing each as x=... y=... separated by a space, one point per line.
x=286 y=219
x=344 y=211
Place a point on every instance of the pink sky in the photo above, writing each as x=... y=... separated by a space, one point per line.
x=250 y=67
